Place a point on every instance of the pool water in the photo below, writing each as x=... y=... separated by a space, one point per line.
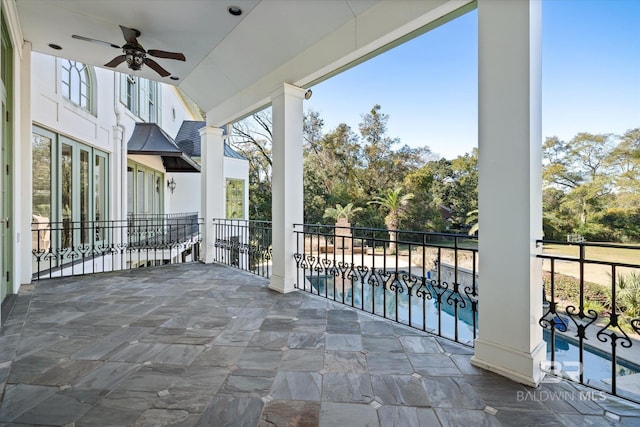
x=597 y=363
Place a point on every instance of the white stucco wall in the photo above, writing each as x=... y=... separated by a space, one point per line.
x=52 y=111
x=187 y=197
x=108 y=128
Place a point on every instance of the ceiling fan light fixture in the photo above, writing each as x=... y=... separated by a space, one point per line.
x=234 y=10
x=134 y=57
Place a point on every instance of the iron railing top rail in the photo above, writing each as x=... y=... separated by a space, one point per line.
x=333 y=226
x=164 y=215
x=583 y=258
x=421 y=232
x=246 y=221
x=175 y=221
x=587 y=261
x=588 y=244
x=428 y=238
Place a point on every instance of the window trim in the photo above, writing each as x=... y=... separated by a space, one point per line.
x=147 y=171
x=141 y=97
x=241 y=199
x=55 y=153
x=90 y=82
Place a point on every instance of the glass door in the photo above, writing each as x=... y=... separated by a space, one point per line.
x=6 y=163
x=5 y=211
x=42 y=213
x=66 y=195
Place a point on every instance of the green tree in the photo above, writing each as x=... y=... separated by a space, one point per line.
x=623 y=224
x=383 y=166
x=581 y=170
x=252 y=138
x=394 y=203
x=455 y=187
x=557 y=219
x=422 y=213
x=331 y=168
x=625 y=158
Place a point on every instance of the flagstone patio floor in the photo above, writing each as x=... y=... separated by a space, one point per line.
x=209 y=345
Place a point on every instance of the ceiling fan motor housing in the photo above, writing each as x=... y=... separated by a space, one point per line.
x=134 y=56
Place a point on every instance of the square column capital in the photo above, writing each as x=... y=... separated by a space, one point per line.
x=288 y=90
x=212 y=131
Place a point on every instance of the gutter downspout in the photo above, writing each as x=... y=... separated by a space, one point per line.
x=119 y=130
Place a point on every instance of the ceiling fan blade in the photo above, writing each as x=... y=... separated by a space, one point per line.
x=130 y=35
x=156 y=67
x=165 y=54
x=116 y=61
x=87 y=39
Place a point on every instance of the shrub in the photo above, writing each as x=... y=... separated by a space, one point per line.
x=567 y=290
x=628 y=294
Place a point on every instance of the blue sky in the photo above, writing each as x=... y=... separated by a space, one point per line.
x=428 y=86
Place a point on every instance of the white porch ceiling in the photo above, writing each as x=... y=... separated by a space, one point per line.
x=233 y=63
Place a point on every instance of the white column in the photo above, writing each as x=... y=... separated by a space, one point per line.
x=287 y=188
x=118 y=208
x=119 y=169
x=23 y=186
x=510 y=190
x=212 y=187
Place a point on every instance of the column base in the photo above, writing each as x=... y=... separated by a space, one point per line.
x=524 y=368
x=279 y=284
x=204 y=259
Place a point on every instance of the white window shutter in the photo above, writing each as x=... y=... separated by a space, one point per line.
x=158 y=104
x=123 y=88
x=144 y=99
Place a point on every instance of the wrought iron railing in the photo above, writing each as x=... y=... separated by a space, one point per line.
x=591 y=314
x=424 y=280
x=244 y=244
x=70 y=248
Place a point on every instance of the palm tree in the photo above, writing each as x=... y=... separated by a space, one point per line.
x=341 y=212
x=628 y=295
x=472 y=218
x=394 y=202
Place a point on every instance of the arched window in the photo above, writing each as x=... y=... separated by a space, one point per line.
x=77 y=84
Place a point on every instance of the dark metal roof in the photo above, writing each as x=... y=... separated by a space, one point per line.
x=150 y=139
x=230 y=152
x=188 y=139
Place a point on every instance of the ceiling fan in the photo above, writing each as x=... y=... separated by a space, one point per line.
x=134 y=53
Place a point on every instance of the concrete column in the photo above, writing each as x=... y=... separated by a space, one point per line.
x=212 y=187
x=287 y=188
x=510 y=190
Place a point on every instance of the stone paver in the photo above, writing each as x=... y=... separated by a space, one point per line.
x=208 y=345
